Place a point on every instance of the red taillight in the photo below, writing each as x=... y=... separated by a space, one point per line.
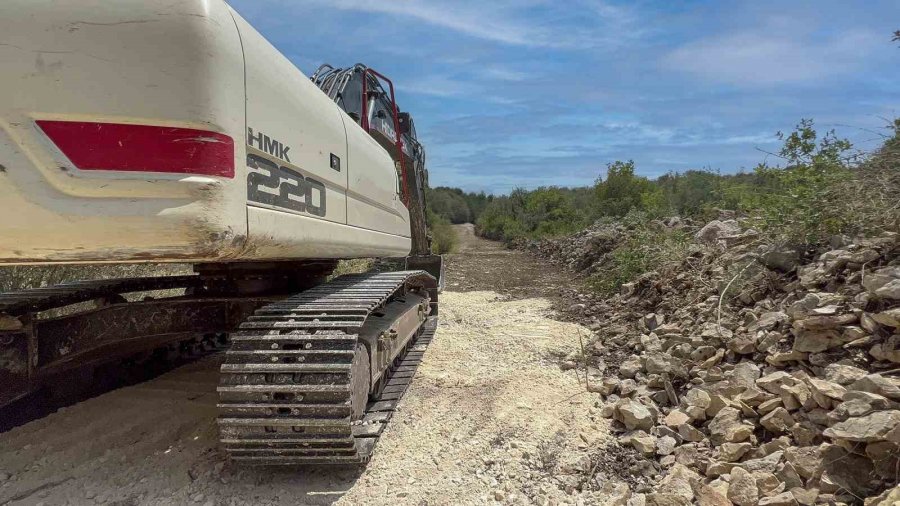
x=142 y=148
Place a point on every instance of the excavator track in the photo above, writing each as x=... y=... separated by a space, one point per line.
x=294 y=387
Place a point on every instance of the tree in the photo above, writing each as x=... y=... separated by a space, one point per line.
x=621 y=191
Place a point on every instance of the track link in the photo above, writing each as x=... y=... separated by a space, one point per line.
x=285 y=386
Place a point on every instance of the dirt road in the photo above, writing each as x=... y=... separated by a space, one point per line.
x=490 y=418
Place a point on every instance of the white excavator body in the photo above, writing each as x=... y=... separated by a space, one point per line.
x=154 y=131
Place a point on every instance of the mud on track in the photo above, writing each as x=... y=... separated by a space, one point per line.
x=489 y=418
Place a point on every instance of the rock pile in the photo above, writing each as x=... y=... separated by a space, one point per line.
x=784 y=391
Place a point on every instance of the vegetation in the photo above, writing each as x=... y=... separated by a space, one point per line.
x=644 y=248
x=824 y=187
x=456 y=205
x=443 y=237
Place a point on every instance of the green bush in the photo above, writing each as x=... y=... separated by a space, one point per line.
x=456 y=205
x=645 y=248
x=826 y=189
x=543 y=212
x=443 y=237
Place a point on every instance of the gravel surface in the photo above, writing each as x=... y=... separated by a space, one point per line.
x=489 y=418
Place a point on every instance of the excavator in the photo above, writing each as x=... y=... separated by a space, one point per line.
x=151 y=131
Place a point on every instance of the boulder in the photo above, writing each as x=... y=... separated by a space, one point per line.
x=784 y=260
x=889 y=350
x=745 y=374
x=777 y=421
x=769 y=321
x=866 y=429
x=726 y=427
x=715 y=230
x=889 y=497
x=858 y=403
x=663 y=363
x=775 y=382
x=665 y=445
x=630 y=367
x=883 y=283
x=890 y=318
x=815 y=341
x=640 y=441
x=732 y=452
x=885 y=456
x=782 y=499
x=853 y=472
x=825 y=322
x=678 y=482
x=826 y=389
x=843 y=374
x=765 y=464
x=742 y=489
x=706 y=495
x=878 y=384
x=634 y=415
x=806 y=460
x=675 y=418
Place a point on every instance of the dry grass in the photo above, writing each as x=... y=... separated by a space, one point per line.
x=18 y=277
x=353 y=266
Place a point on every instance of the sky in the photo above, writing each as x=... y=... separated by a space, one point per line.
x=525 y=93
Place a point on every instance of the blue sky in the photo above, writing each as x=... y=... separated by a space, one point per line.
x=547 y=92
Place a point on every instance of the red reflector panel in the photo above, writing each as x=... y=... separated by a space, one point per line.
x=142 y=148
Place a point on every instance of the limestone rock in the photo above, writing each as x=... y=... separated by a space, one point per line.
x=675 y=418
x=709 y=496
x=769 y=321
x=843 y=374
x=884 y=283
x=742 y=489
x=805 y=460
x=890 y=318
x=634 y=415
x=878 y=384
x=715 y=230
x=782 y=499
x=778 y=421
x=726 y=427
x=663 y=363
x=848 y=470
x=732 y=452
x=867 y=429
x=889 y=350
x=678 y=482
x=665 y=445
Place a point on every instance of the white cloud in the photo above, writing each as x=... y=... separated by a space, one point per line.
x=771 y=57
x=538 y=23
x=497 y=73
x=438 y=86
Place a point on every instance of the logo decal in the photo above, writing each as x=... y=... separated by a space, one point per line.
x=280 y=186
x=269 y=145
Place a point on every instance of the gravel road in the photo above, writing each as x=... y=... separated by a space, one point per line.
x=490 y=418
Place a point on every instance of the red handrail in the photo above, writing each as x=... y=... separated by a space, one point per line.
x=364 y=121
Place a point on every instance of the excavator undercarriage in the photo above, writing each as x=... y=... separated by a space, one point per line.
x=307 y=378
